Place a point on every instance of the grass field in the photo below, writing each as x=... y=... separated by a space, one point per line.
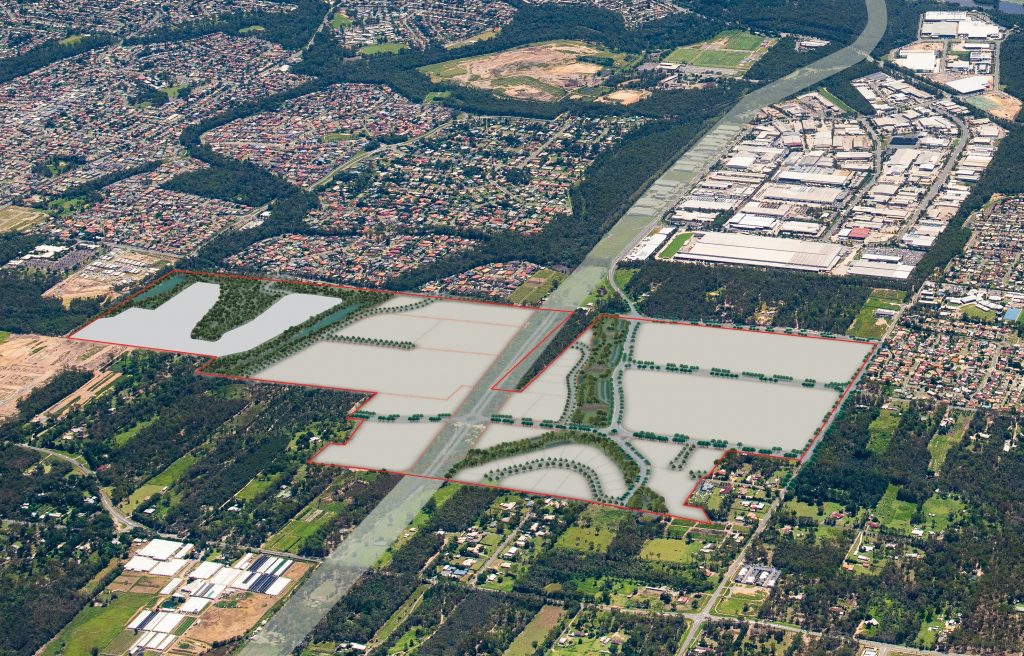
x=728 y=50
x=593 y=531
x=14 y=218
x=835 y=100
x=382 y=48
x=679 y=240
x=71 y=40
x=941 y=443
x=126 y=436
x=340 y=20
x=4 y=336
x=670 y=551
x=740 y=604
x=535 y=631
x=536 y=288
x=483 y=36
x=97 y=627
x=252 y=29
x=882 y=430
x=974 y=312
x=866 y=325
x=157 y=483
x=894 y=513
x=939 y=513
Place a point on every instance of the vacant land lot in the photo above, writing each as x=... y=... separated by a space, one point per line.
x=872 y=321
x=98 y=626
x=542 y=71
x=29 y=361
x=14 y=218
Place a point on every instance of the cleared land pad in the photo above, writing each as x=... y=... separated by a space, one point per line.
x=169 y=326
x=455 y=343
x=394 y=447
x=545 y=397
x=824 y=360
x=739 y=411
x=675 y=485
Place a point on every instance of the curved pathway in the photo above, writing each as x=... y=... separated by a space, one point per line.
x=370 y=539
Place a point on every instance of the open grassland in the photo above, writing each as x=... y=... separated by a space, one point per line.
x=882 y=429
x=867 y=325
x=670 y=551
x=533 y=291
x=16 y=219
x=535 y=632
x=942 y=442
x=156 y=484
x=893 y=513
x=97 y=626
x=678 y=240
x=382 y=48
x=593 y=532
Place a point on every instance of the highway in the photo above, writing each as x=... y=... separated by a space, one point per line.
x=371 y=538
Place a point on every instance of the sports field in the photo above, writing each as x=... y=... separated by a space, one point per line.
x=732 y=52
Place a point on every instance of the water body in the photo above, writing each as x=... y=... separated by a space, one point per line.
x=370 y=539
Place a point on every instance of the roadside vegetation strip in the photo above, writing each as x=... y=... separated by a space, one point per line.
x=626 y=464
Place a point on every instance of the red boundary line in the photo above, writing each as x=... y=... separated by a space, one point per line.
x=370 y=394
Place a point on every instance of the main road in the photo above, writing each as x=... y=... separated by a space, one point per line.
x=371 y=538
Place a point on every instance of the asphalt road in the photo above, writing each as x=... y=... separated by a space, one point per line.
x=371 y=538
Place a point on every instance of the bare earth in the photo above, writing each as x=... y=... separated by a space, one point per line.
x=552 y=64
x=30 y=361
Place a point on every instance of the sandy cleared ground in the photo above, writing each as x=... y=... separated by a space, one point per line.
x=30 y=361
x=626 y=96
x=675 y=486
x=824 y=360
x=377 y=445
x=754 y=413
x=551 y=64
x=545 y=397
x=999 y=104
x=555 y=481
x=221 y=624
x=168 y=327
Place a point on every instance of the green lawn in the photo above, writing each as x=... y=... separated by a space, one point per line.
x=866 y=325
x=671 y=551
x=733 y=604
x=927 y=636
x=164 y=479
x=442 y=71
x=71 y=40
x=340 y=20
x=97 y=627
x=382 y=48
x=678 y=241
x=707 y=58
x=892 y=512
x=4 y=336
x=124 y=437
x=536 y=288
x=835 y=100
x=251 y=29
x=882 y=430
x=941 y=443
x=974 y=312
x=255 y=487
x=593 y=532
x=742 y=41
x=535 y=632
x=939 y=513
